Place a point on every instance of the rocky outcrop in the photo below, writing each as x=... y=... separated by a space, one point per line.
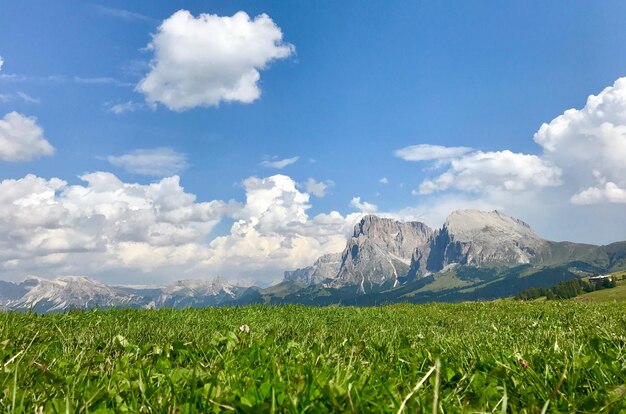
x=379 y=251
x=472 y=237
x=326 y=267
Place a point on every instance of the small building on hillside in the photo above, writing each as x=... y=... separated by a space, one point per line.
x=599 y=281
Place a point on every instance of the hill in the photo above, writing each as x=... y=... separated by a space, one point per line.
x=616 y=294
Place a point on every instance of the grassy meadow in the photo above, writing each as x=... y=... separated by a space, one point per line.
x=505 y=356
x=616 y=294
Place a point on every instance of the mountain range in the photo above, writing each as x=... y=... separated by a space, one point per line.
x=475 y=255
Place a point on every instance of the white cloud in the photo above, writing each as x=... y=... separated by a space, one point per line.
x=318 y=188
x=19 y=96
x=122 y=14
x=384 y=180
x=27 y=98
x=583 y=154
x=609 y=192
x=575 y=189
x=363 y=206
x=22 y=139
x=273 y=231
x=505 y=170
x=279 y=164
x=589 y=144
x=1 y=62
x=426 y=152
x=102 y=225
x=134 y=233
x=204 y=60
x=157 y=162
x=129 y=106
x=101 y=81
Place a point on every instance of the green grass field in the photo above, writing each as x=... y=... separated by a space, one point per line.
x=507 y=356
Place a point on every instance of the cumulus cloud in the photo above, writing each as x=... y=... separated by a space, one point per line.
x=609 y=192
x=589 y=144
x=1 y=62
x=574 y=188
x=279 y=164
x=583 y=154
x=204 y=60
x=318 y=188
x=506 y=170
x=363 y=206
x=425 y=152
x=120 y=231
x=274 y=231
x=156 y=162
x=384 y=180
x=22 y=139
x=105 y=224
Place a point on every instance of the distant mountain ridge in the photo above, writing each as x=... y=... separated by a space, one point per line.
x=325 y=267
x=80 y=292
x=475 y=255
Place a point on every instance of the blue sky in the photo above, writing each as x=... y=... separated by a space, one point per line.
x=348 y=85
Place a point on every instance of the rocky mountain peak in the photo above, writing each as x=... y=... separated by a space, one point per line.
x=381 y=227
x=467 y=224
x=380 y=250
x=473 y=237
x=326 y=267
x=198 y=286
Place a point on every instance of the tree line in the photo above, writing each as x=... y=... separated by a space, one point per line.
x=566 y=289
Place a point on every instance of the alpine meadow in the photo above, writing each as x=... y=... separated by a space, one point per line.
x=312 y=207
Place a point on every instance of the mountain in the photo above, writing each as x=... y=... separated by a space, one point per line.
x=477 y=238
x=475 y=255
x=80 y=292
x=196 y=293
x=380 y=251
x=326 y=267
x=66 y=292
x=385 y=251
